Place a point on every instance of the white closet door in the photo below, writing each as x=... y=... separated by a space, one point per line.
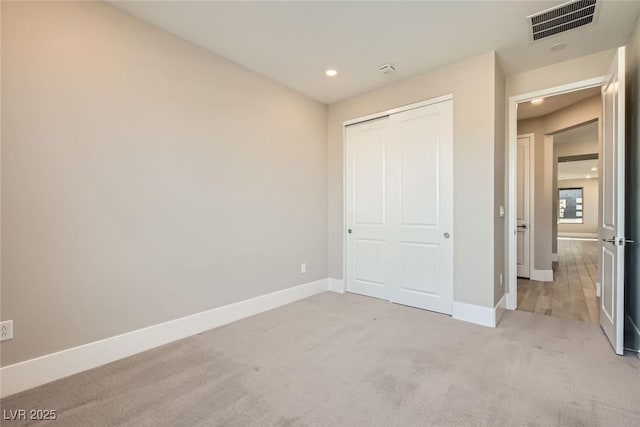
x=400 y=207
x=420 y=178
x=367 y=145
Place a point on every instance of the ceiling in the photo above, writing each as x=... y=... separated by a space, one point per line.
x=580 y=169
x=294 y=42
x=527 y=110
x=584 y=133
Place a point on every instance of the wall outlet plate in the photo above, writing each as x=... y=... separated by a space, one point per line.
x=6 y=330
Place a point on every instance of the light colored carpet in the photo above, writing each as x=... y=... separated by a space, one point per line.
x=348 y=360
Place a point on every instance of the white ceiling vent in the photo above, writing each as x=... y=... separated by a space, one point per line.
x=564 y=17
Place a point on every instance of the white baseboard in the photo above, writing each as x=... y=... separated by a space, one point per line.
x=500 y=308
x=478 y=314
x=336 y=285
x=554 y=257
x=41 y=370
x=577 y=235
x=541 y=275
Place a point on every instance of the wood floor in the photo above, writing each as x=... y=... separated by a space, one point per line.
x=572 y=294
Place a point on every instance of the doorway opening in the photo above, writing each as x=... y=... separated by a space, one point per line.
x=557 y=135
x=611 y=240
x=564 y=284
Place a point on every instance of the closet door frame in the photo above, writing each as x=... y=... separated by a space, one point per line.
x=342 y=287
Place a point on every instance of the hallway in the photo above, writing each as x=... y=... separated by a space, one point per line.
x=572 y=294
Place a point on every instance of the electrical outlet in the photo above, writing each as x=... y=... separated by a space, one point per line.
x=501 y=279
x=303 y=268
x=6 y=330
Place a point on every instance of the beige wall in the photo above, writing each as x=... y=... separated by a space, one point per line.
x=576 y=148
x=144 y=178
x=473 y=85
x=590 y=207
x=561 y=73
x=544 y=187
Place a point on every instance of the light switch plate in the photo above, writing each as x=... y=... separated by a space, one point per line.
x=6 y=330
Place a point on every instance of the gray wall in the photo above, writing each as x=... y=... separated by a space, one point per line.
x=632 y=262
x=473 y=84
x=144 y=178
x=544 y=189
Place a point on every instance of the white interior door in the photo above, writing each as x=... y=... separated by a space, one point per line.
x=400 y=207
x=612 y=227
x=421 y=207
x=367 y=242
x=523 y=185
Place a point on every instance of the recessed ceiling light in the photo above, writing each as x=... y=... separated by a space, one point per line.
x=558 y=46
x=331 y=72
x=537 y=101
x=593 y=169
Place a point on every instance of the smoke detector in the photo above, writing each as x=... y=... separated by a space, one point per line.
x=565 y=17
x=387 y=69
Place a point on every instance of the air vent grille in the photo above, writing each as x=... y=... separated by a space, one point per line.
x=562 y=18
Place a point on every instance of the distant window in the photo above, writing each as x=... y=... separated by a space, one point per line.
x=570 y=206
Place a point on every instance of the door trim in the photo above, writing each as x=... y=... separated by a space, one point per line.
x=400 y=109
x=447 y=97
x=512 y=146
